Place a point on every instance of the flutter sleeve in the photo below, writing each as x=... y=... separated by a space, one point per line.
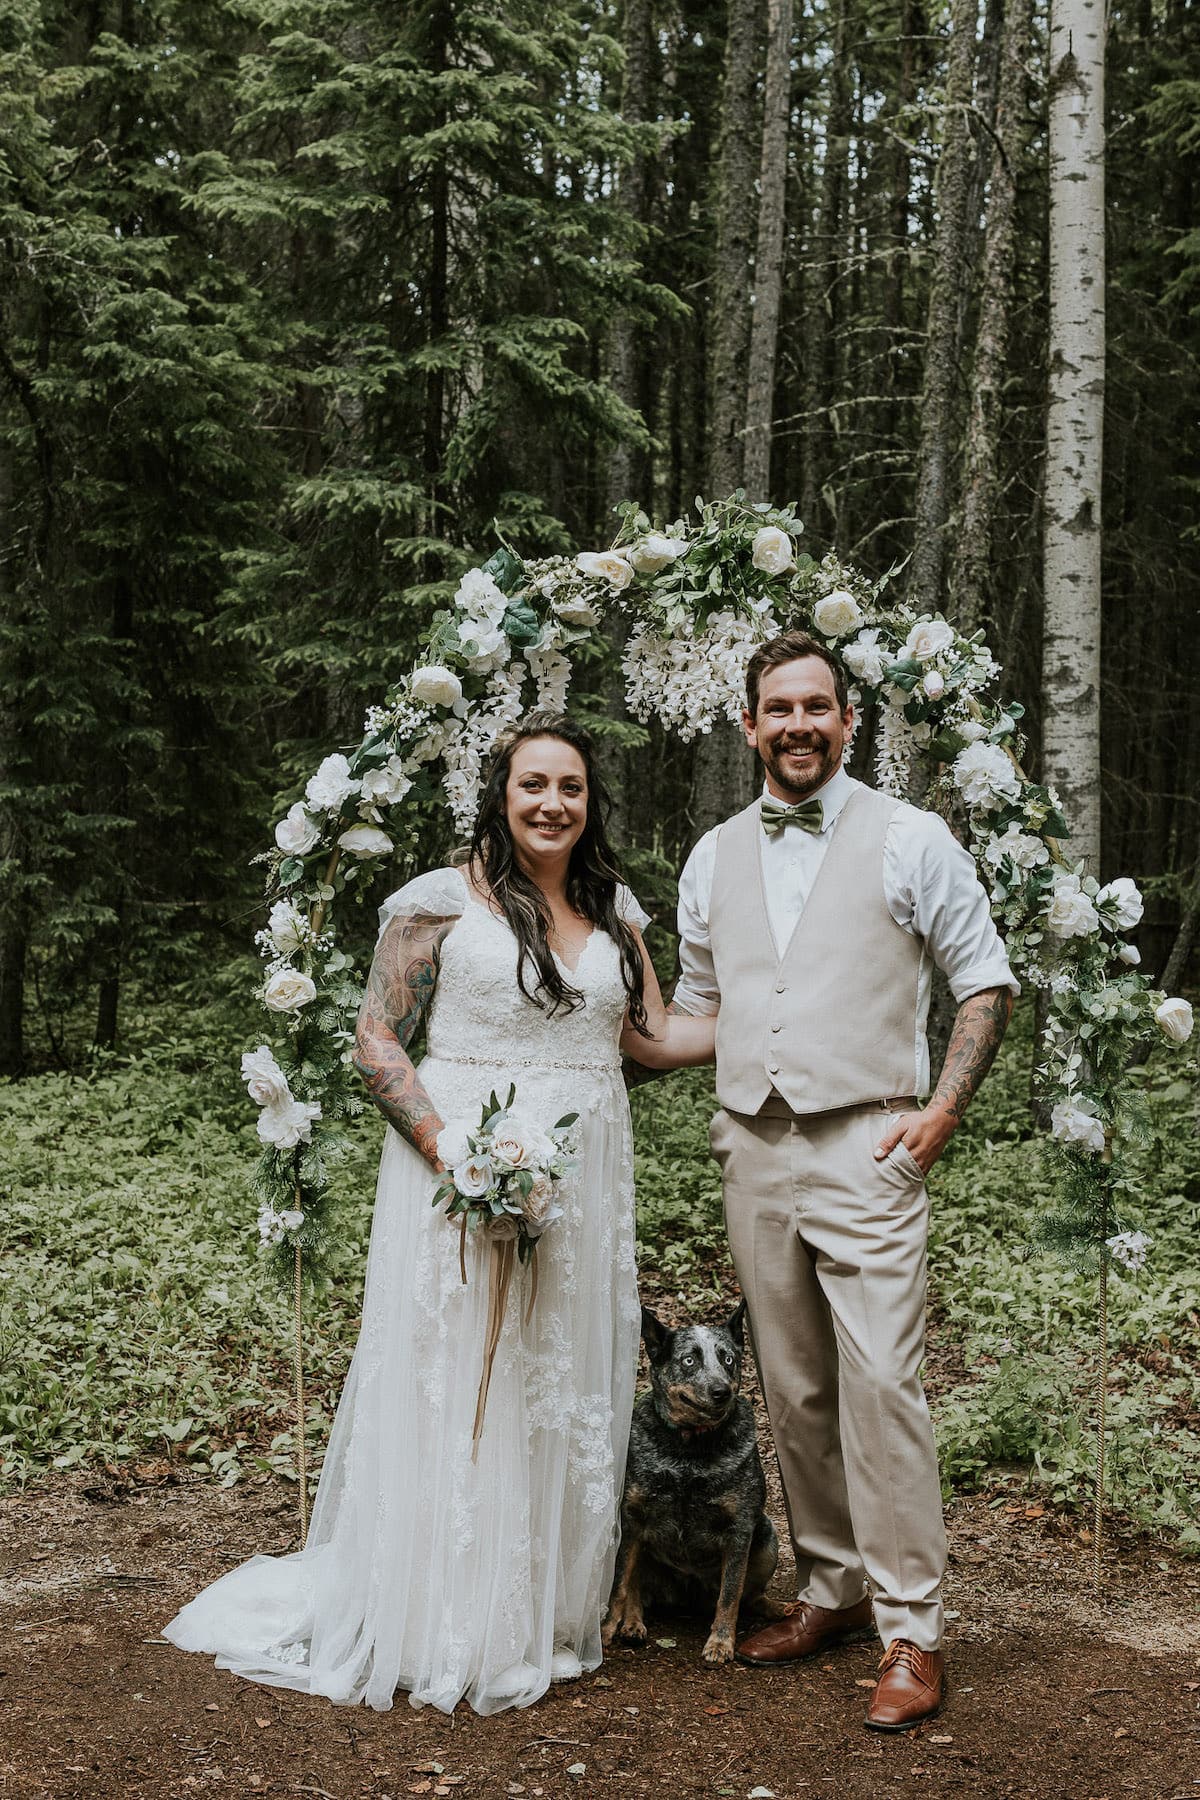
x=629 y=909
x=438 y=894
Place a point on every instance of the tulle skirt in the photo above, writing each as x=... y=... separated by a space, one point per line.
x=425 y=1570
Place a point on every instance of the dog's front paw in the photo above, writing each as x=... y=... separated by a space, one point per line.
x=629 y=1627
x=719 y=1648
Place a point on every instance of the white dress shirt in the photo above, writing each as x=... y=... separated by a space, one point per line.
x=930 y=886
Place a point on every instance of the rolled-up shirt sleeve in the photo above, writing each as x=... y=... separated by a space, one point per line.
x=933 y=889
x=696 y=991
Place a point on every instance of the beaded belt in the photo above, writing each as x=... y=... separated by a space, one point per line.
x=527 y=1062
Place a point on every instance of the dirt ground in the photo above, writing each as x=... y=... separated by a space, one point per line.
x=1053 y=1697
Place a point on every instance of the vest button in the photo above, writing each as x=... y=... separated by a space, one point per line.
x=772 y=1068
x=781 y=987
x=777 y=1028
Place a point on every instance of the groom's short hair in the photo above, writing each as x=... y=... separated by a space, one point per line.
x=788 y=647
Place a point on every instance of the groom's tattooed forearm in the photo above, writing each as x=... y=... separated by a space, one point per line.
x=399 y=989
x=978 y=1028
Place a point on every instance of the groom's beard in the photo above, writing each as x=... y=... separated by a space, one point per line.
x=800 y=780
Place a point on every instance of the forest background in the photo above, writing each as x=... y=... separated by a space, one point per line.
x=301 y=307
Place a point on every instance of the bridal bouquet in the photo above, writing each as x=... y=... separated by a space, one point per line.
x=502 y=1180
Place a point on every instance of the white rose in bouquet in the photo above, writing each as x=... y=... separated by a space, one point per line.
x=865 y=657
x=929 y=638
x=573 y=609
x=453 y=1143
x=266 y=1081
x=1070 y=912
x=297 y=832
x=473 y=1176
x=1129 y=953
x=331 y=785
x=605 y=565
x=387 y=784
x=655 y=551
x=503 y=1227
x=287 y=927
x=1174 y=1020
x=288 y=990
x=479 y=596
x=838 y=613
x=365 y=841
x=1122 y=901
x=1074 y=1121
x=519 y=1144
x=772 y=551
x=286 y=1125
x=984 y=775
x=436 y=685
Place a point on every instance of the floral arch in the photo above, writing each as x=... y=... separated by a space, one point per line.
x=697 y=598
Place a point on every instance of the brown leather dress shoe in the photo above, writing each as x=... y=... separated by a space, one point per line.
x=909 y=1688
x=806 y=1630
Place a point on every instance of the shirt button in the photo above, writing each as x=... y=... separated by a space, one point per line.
x=777 y=1028
x=781 y=988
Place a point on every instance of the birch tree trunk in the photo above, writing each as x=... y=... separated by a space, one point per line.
x=826 y=262
x=1075 y=420
x=768 y=257
x=737 y=168
x=932 y=505
x=969 y=581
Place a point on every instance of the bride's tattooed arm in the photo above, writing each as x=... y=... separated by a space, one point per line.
x=399 y=989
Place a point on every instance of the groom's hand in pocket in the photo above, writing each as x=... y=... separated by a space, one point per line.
x=924 y=1135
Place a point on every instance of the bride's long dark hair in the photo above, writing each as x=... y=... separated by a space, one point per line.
x=592 y=874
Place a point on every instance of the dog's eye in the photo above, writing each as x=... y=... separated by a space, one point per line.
x=727 y=1359
x=688 y=1359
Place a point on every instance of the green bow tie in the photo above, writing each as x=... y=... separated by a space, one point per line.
x=808 y=816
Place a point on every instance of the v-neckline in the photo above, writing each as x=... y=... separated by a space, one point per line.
x=474 y=899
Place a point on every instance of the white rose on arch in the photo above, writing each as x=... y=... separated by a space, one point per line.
x=284 y=1126
x=605 y=565
x=265 y=1080
x=772 y=551
x=1122 y=902
x=331 y=785
x=297 y=832
x=837 y=613
x=929 y=638
x=436 y=685
x=984 y=775
x=288 y=990
x=366 y=841
x=1069 y=912
x=287 y=927
x=573 y=609
x=1075 y=1121
x=1174 y=1019
x=654 y=552
x=386 y=785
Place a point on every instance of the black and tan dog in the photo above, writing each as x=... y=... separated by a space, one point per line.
x=693 y=1528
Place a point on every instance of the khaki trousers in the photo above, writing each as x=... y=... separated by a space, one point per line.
x=829 y=1248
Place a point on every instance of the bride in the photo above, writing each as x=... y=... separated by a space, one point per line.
x=425 y=1569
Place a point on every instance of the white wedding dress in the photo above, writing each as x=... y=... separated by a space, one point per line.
x=425 y=1571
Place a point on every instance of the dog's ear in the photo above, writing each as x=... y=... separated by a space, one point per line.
x=735 y=1322
x=656 y=1335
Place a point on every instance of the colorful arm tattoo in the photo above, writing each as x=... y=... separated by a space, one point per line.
x=399 y=988
x=979 y=1026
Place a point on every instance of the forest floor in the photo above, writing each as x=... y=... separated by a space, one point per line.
x=1053 y=1695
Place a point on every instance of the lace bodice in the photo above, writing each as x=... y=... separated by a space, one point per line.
x=479 y=1014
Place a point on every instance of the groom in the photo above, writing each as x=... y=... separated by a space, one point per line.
x=810 y=920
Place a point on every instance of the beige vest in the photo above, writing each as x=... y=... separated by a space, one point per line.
x=830 y=1019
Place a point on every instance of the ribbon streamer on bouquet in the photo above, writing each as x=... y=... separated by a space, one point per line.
x=499 y=1279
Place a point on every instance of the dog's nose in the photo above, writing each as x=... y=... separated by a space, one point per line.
x=719 y=1392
